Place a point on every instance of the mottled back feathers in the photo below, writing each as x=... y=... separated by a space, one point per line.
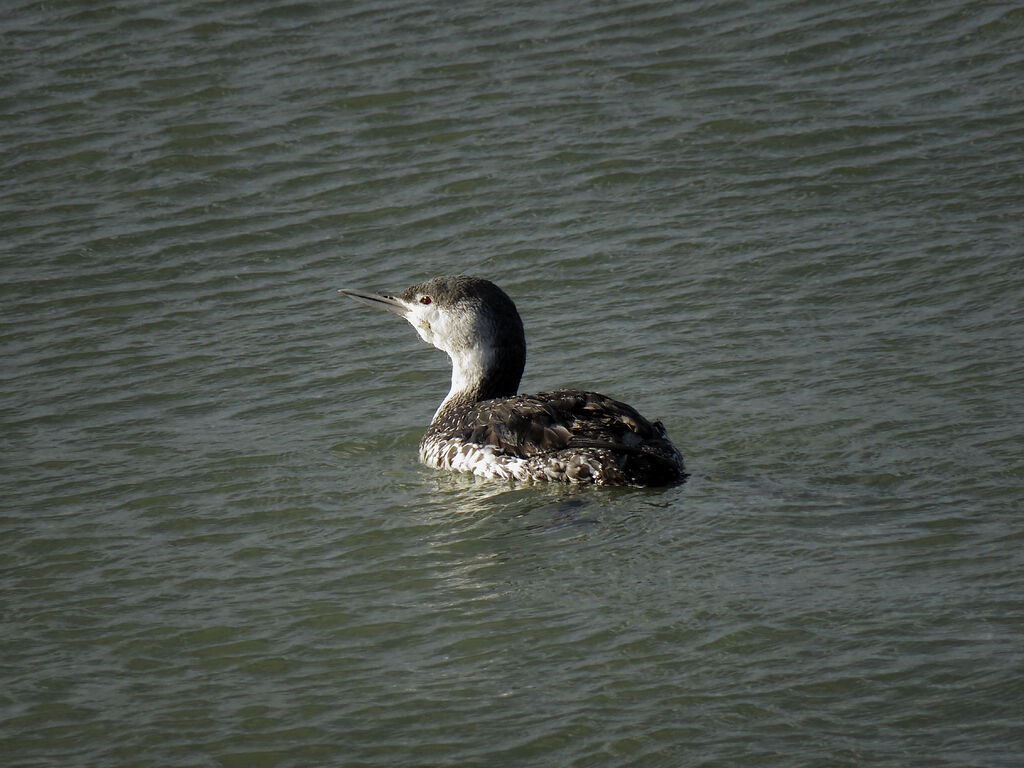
x=566 y=435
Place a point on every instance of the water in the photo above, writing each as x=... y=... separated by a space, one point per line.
x=792 y=233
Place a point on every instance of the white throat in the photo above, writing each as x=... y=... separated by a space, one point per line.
x=468 y=369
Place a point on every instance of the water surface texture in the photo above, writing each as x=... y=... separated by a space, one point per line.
x=789 y=230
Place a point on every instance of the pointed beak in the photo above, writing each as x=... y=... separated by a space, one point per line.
x=390 y=303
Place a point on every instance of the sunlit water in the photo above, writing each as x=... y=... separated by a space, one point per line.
x=792 y=233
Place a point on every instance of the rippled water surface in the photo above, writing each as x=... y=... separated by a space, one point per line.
x=792 y=232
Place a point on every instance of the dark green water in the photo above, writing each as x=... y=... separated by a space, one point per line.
x=791 y=232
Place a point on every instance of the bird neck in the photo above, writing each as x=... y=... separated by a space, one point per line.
x=483 y=373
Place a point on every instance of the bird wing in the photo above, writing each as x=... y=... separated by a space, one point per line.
x=527 y=425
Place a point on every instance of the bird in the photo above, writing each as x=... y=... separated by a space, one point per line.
x=485 y=427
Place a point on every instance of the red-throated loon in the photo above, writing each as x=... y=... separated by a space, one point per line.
x=484 y=427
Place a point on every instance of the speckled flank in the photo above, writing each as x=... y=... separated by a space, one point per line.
x=495 y=463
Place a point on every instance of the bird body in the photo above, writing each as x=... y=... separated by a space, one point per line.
x=483 y=426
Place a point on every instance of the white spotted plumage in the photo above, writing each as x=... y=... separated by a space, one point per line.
x=492 y=463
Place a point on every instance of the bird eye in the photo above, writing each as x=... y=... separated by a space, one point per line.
x=424 y=299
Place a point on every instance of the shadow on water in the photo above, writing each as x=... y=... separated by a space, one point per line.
x=496 y=510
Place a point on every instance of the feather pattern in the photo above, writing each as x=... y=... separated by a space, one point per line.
x=566 y=436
